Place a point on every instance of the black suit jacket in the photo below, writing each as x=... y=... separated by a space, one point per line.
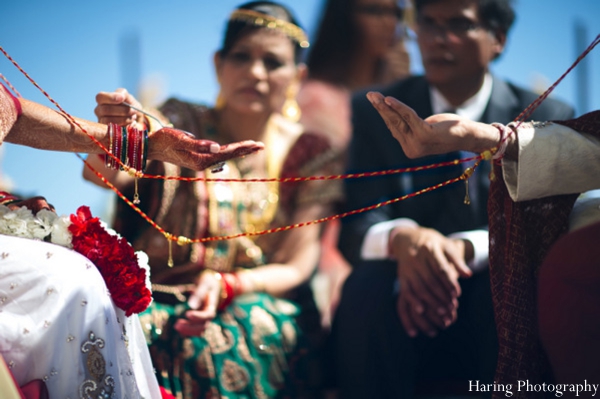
x=373 y=148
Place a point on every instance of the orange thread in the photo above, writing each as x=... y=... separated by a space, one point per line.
x=531 y=107
x=184 y=240
x=9 y=85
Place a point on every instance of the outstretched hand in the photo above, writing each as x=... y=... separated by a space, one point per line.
x=438 y=134
x=178 y=147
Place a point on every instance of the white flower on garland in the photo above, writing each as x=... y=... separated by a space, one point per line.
x=48 y=226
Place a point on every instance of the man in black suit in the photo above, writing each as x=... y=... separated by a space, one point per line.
x=399 y=322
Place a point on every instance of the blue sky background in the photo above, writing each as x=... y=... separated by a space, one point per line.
x=74 y=49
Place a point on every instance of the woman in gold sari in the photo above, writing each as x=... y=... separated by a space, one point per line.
x=221 y=324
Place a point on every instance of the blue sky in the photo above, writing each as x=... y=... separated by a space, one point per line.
x=74 y=49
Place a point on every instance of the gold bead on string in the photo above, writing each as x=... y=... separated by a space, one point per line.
x=181 y=241
x=468 y=173
x=135 y=174
x=170 y=260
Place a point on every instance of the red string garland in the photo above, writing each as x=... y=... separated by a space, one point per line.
x=486 y=155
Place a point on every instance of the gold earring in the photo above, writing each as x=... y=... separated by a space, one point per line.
x=220 y=102
x=290 y=109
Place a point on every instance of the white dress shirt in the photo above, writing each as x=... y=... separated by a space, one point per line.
x=376 y=242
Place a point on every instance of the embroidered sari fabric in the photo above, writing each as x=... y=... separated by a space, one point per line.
x=521 y=234
x=59 y=325
x=250 y=350
x=247 y=351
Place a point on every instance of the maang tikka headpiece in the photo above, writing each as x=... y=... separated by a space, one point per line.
x=251 y=17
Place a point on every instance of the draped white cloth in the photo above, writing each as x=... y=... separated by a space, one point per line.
x=59 y=324
x=553 y=160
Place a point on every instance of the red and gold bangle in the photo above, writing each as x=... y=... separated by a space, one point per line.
x=135 y=153
x=237 y=286
x=226 y=290
x=139 y=160
x=227 y=293
x=130 y=145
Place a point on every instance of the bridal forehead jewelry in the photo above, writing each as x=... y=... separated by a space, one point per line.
x=251 y=17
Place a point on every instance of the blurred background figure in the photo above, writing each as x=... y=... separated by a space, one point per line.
x=357 y=44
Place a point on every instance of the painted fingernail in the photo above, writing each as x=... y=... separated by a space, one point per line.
x=215 y=148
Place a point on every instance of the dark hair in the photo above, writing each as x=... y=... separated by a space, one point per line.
x=335 y=41
x=495 y=15
x=236 y=28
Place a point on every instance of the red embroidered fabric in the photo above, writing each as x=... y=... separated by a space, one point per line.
x=521 y=233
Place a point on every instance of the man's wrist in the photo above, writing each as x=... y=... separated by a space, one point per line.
x=397 y=234
x=469 y=250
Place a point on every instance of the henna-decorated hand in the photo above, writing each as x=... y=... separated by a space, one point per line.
x=168 y=144
x=178 y=147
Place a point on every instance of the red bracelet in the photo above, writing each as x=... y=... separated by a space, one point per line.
x=127 y=144
x=227 y=293
x=131 y=145
x=237 y=287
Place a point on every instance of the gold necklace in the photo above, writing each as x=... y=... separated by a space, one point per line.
x=260 y=200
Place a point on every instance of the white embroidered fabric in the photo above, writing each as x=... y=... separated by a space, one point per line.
x=58 y=324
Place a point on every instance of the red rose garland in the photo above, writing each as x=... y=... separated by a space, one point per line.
x=116 y=260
